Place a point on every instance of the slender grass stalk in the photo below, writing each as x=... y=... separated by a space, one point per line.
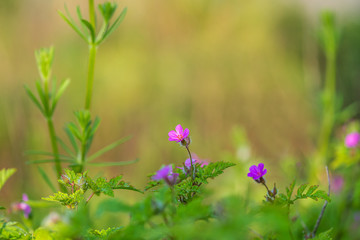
x=90 y=79
x=92 y=56
x=92 y=13
x=54 y=146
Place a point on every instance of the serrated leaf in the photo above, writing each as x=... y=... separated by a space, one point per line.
x=301 y=189
x=311 y=189
x=327 y=235
x=321 y=194
x=290 y=190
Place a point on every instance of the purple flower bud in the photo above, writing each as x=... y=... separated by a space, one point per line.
x=352 y=140
x=166 y=174
x=179 y=135
x=257 y=172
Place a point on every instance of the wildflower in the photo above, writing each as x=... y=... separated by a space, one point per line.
x=257 y=172
x=195 y=160
x=166 y=174
x=180 y=135
x=23 y=206
x=352 y=140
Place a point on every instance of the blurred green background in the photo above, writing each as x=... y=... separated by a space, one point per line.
x=210 y=65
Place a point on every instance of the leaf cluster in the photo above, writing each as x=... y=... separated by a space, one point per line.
x=79 y=183
x=87 y=30
x=303 y=192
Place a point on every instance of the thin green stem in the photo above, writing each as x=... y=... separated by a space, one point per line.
x=92 y=13
x=90 y=79
x=55 y=148
x=192 y=168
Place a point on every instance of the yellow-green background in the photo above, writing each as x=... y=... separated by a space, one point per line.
x=209 y=65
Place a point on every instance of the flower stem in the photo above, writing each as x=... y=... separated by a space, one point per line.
x=90 y=79
x=192 y=168
x=90 y=197
x=55 y=150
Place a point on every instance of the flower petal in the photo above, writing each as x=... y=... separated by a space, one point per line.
x=186 y=133
x=179 y=130
x=261 y=166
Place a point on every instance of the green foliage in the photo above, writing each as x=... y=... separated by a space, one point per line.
x=79 y=183
x=92 y=37
x=187 y=188
x=71 y=200
x=311 y=192
x=11 y=230
x=5 y=174
x=103 y=234
x=327 y=235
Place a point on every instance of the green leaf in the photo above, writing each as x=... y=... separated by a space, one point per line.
x=61 y=90
x=43 y=98
x=33 y=98
x=5 y=174
x=290 y=190
x=43 y=153
x=109 y=164
x=70 y=200
x=42 y=234
x=327 y=235
x=71 y=23
x=112 y=205
x=311 y=190
x=46 y=179
x=301 y=189
x=71 y=138
x=2 y=208
x=321 y=194
x=108 y=148
x=48 y=161
x=114 y=26
x=90 y=28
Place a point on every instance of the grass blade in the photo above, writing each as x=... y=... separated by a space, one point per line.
x=108 y=148
x=48 y=161
x=33 y=98
x=109 y=164
x=46 y=179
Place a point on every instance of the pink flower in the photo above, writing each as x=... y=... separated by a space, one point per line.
x=352 y=140
x=179 y=134
x=257 y=172
x=23 y=206
x=166 y=174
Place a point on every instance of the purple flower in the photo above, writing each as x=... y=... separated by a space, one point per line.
x=257 y=172
x=22 y=206
x=166 y=173
x=195 y=160
x=179 y=134
x=352 y=140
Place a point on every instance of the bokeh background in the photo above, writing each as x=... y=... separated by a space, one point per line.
x=244 y=76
